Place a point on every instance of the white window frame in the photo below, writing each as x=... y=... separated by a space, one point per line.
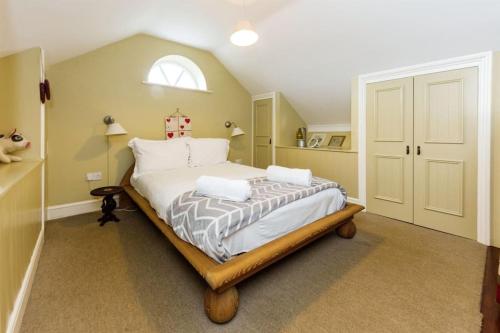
x=189 y=68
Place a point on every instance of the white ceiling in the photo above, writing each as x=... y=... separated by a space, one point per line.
x=308 y=49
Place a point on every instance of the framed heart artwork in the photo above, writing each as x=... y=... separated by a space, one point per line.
x=177 y=127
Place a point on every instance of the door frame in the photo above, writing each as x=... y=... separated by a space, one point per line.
x=43 y=142
x=271 y=95
x=483 y=61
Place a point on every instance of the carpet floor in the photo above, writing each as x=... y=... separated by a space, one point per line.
x=392 y=277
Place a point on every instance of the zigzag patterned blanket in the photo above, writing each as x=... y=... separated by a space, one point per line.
x=205 y=222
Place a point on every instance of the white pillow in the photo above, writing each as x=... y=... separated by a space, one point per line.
x=207 y=151
x=158 y=155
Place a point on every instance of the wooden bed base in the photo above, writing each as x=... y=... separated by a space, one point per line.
x=221 y=296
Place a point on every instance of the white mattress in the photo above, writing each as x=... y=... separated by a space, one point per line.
x=161 y=188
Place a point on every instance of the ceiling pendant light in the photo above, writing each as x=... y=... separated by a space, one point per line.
x=244 y=35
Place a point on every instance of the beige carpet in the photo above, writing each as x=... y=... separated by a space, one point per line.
x=392 y=277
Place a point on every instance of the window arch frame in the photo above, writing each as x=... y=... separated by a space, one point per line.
x=187 y=66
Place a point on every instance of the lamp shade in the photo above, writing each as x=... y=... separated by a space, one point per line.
x=115 y=129
x=244 y=35
x=237 y=131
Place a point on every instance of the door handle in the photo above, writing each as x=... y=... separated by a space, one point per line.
x=418 y=150
x=407 y=150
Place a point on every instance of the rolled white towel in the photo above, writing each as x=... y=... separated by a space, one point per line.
x=238 y=190
x=286 y=175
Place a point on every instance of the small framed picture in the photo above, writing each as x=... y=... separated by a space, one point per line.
x=177 y=127
x=336 y=141
x=316 y=140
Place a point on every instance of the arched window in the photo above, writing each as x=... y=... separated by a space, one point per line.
x=177 y=71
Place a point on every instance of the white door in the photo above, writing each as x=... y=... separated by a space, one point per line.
x=263 y=129
x=389 y=148
x=446 y=151
x=422 y=150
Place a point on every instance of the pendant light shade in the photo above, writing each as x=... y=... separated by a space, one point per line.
x=244 y=35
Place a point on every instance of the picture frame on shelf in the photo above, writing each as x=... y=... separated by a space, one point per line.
x=316 y=140
x=336 y=141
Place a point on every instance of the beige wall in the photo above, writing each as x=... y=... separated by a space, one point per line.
x=19 y=97
x=329 y=164
x=339 y=166
x=288 y=121
x=108 y=81
x=354 y=114
x=495 y=204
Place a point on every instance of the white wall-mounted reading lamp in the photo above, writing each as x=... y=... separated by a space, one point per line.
x=113 y=128
x=236 y=130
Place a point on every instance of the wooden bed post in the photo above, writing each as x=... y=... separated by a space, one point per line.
x=347 y=230
x=221 y=307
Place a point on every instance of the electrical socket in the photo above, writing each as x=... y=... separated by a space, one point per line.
x=93 y=176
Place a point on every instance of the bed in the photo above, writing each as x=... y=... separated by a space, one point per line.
x=252 y=248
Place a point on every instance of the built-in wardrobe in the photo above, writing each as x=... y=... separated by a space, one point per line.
x=421 y=144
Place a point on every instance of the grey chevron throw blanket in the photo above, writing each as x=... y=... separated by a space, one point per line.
x=205 y=222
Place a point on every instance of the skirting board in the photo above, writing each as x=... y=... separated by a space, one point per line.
x=16 y=317
x=353 y=200
x=76 y=208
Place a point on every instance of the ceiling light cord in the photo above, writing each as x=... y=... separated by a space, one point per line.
x=244 y=10
x=245 y=34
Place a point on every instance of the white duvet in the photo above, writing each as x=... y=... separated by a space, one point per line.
x=161 y=188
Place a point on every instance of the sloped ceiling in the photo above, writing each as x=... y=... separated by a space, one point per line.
x=309 y=49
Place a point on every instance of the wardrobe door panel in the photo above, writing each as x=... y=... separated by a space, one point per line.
x=389 y=146
x=446 y=167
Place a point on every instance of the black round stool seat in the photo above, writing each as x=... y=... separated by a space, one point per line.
x=108 y=202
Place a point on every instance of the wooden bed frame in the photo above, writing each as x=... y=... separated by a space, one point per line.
x=221 y=297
